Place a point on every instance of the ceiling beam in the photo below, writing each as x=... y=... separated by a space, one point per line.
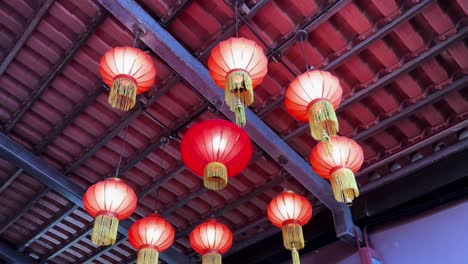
x=356 y=49
x=323 y=16
x=55 y=71
x=11 y=256
x=190 y=69
x=55 y=180
x=406 y=112
x=19 y=43
x=414 y=148
x=418 y=165
x=392 y=76
x=44 y=228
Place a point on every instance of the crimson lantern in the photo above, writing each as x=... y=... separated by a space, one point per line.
x=339 y=167
x=128 y=71
x=211 y=239
x=216 y=149
x=150 y=236
x=108 y=202
x=313 y=96
x=290 y=211
x=238 y=65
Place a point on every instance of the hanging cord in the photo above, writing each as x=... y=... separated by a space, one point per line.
x=117 y=170
x=162 y=169
x=304 y=55
x=236 y=13
x=137 y=37
x=282 y=160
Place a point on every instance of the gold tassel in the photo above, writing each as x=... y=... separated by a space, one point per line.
x=147 y=255
x=344 y=186
x=215 y=176
x=105 y=230
x=239 y=93
x=323 y=122
x=123 y=94
x=292 y=236
x=211 y=258
x=295 y=256
x=240 y=115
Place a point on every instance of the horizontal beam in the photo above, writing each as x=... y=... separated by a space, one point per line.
x=55 y=71
x=57 y=219
x=415 y=147
x=11 y=256
x=356 y=49
x=19 y=43
x=416 y=166
x=406 y=112
x=55 y=180
x=194 y=73
x=392 y=76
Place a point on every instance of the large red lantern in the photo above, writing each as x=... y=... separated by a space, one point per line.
x=127 y=71
x=150 y=236
x=339 y=167
x=238 y=65
x=290 y=211
x=211 y=239
x=216 y=150
x=313 y=96
x=108 y=201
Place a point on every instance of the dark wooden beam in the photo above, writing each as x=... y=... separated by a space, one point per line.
x=55 y=71
x=19 y=43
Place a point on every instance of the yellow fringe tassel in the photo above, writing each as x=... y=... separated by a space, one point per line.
x=147 y=256
x=323 y=122
x=211 y=258
x=215 y=176
x=344 y=186
x=123 y=94
x=105 y=230
x=293 y=237
x=239 y=93
x=295 y=256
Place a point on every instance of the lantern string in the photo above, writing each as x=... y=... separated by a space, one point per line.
x=157 y=188
x=137 y=37
x=117 y=170
x=304 y=55
x=236 y=17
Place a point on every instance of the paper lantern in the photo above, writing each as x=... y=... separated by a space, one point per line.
x=108 y=201
x=339 y=167
x=290 y=211
x=238 y=65
x=150 y=236
x=313 y=96
x=216 y=150
x=211 y=239
x=127 y=71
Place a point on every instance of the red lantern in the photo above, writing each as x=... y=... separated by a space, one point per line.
x=211 y=239
x=150 y=236
x=314 y=96
x=108 y=201
x=339 y=167
x=128 y=71
x=216 y=149
x=238 y=65
x=290 y=211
